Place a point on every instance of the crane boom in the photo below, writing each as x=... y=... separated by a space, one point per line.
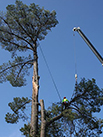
x=89 y=44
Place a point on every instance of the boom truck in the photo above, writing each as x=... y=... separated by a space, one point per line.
x=89 y=44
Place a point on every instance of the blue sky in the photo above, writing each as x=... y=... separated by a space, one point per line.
x=58 y=48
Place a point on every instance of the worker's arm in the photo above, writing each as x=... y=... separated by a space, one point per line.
x=67 y=100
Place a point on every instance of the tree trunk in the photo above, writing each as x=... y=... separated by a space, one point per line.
x=34 y=107
x=43 y=121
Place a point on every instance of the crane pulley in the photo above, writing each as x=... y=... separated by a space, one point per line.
x=89 y=44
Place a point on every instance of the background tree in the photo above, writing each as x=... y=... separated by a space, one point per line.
x=78 y=119
x=21 y=28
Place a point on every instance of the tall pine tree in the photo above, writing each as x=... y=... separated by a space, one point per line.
x=21 y=28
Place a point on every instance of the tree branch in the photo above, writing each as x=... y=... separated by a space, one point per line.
x=22 y=106
x=25 y=32
x=16 y=65
x=6 y=22
x=78 y=96
x=11 y=33
x=17 y=45
x=54 y=119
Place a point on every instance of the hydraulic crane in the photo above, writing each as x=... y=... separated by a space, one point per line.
x=89 y=44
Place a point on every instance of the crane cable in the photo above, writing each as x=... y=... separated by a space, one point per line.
x=75 y=62
x=50 y=73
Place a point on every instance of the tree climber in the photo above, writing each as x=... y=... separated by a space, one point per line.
x=65 y=102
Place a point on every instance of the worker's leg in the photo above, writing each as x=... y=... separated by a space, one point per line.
x=66 y=105
x=63 y=106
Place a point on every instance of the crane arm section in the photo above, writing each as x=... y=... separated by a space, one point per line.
x=89 y=44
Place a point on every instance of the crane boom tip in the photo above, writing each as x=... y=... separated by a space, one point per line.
x=76 y=28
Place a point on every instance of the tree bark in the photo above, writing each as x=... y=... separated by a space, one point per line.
x=43 y=121
x=34 y=107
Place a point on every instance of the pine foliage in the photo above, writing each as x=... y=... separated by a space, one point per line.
x=21 y=29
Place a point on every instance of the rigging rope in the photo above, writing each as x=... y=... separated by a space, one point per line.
x=50 y=73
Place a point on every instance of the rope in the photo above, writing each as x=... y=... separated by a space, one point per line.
x=50 y=73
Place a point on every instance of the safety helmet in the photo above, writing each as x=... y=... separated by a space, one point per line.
x=64 y=97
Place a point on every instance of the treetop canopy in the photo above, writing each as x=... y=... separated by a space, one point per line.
x=21 y=27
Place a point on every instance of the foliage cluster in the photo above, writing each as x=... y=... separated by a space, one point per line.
x=21 y=29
